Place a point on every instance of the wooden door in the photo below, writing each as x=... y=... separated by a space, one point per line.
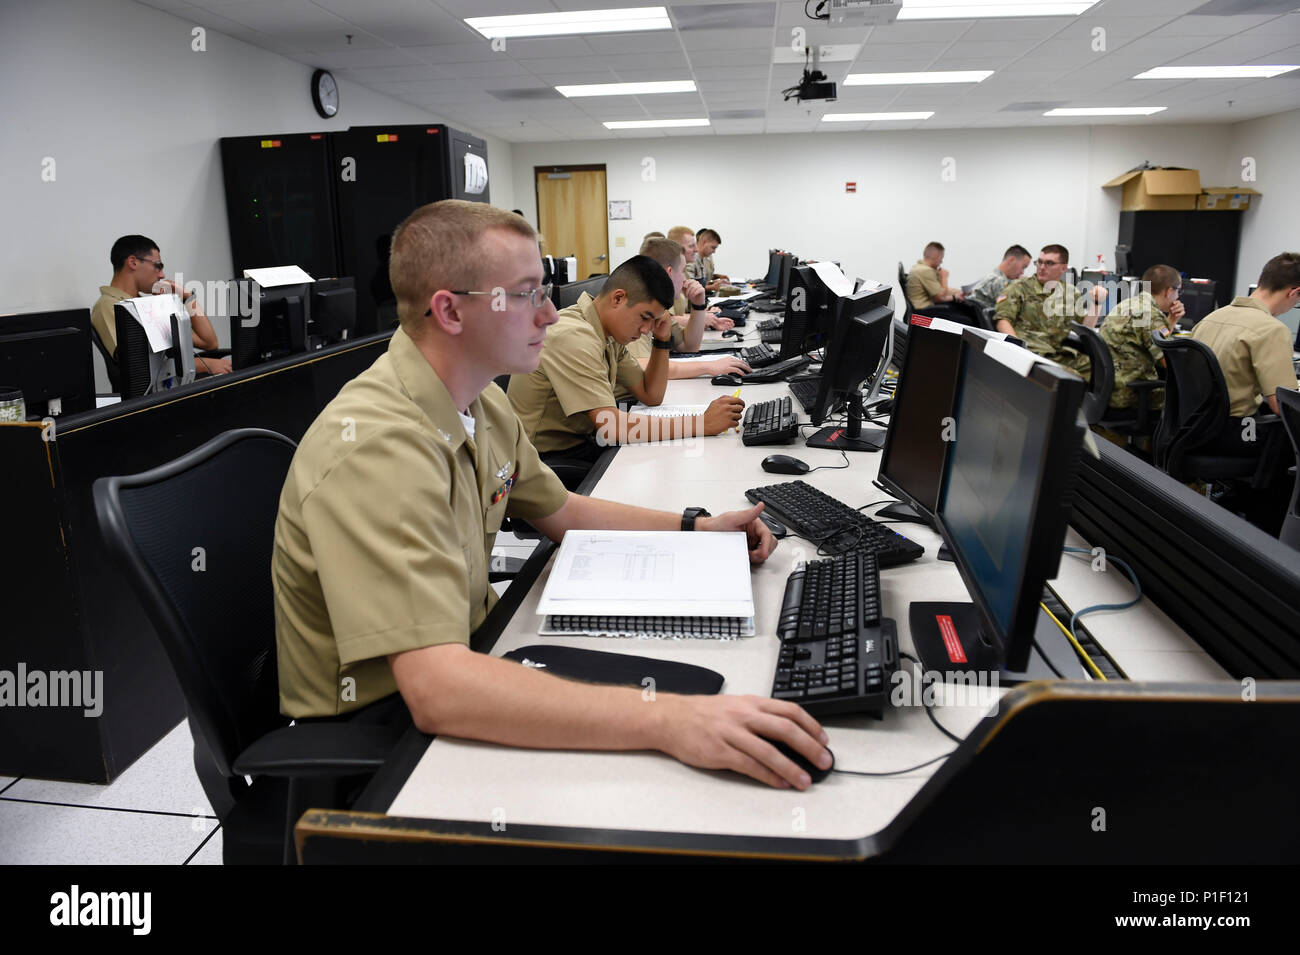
x=572 y=216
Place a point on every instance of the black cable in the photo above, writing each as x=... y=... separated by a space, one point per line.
x=876 y=504
x=927 y=707
x=816 y=14
x=832 y=467
x=895 y=772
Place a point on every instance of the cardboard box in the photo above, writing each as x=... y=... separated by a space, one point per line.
x=1214 y=198
x=1162 y=189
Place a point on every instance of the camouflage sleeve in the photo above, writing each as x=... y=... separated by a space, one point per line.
x=1008 y=305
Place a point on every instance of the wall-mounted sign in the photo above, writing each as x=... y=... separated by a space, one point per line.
x=620 y=208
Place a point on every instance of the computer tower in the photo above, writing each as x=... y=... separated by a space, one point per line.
x=396 y=169
x=281 y=201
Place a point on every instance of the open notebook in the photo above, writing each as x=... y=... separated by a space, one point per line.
x=649 y=584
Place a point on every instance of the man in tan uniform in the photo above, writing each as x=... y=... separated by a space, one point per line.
x=702 y=270
x=1253 y=347
x=927 y=288
x=138 y=270
x=392 y=503
x=684 y=237
x=568 y=405
x=672 y=257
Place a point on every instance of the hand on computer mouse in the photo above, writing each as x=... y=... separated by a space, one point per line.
x=743 y=733
x=726 y=365
x=731 y=379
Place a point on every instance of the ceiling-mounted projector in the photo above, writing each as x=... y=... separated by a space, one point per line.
x=859 y=13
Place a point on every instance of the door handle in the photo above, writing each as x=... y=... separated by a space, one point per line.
x=602 y=257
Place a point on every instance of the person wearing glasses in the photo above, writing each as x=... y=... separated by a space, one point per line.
x=392 y=502
x=1039 y=308
x=138 y=270
x=568 y=405
x=1127 y=333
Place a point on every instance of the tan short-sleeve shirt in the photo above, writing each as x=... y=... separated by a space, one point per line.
x=923 y=284
x=386 y=525
x=104 y=319
x=1254 y=352
x=581 y=369
x=643 y=347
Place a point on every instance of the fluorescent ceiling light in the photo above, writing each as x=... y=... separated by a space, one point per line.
x=1105 y=111
x=573 y=22
x=977 y=9
x=872 y=117
x=654 y=123
x=628 y=89
x=906 y=79
x=1213 y=72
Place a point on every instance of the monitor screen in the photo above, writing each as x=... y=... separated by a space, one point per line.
x=853 y=354
x=47 y=356
x=783 y=281
x=1005 y=499
x=912 y=463
x=568 y=294
x=773 y=277
x=807 y=306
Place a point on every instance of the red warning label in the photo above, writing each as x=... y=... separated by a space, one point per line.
x=950 y=642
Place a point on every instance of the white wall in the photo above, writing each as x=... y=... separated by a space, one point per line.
x=1032 y=186
x=131 y=115
x=1272 y=224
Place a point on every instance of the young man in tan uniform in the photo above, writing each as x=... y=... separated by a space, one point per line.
x=702 y=270
x=392 y=503
x=568 y=405
x=1254 y=348
x=684 y=237
x=138 y=270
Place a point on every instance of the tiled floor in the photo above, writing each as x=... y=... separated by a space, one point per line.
x=153 y=813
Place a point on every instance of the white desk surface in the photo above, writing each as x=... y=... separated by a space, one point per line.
x=464 y=780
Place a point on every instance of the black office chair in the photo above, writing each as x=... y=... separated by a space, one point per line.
x=216 y=622
x=110 y=364
x=1288 y=403
x=1096 y=403
x=1196 y=419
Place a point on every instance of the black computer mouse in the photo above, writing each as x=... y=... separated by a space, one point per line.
x=731 y=378
x=815 y=774
x=732 y=333
x=776 y=527
x=784 y=464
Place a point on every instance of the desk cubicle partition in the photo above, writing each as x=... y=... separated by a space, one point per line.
x=66 y=608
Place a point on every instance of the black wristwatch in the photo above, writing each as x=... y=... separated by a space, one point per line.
x=664 y=343
x=690 y=514
x=699 y=308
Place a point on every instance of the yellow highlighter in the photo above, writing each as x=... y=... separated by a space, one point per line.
x=735 y=394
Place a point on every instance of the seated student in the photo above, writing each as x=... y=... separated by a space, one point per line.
x=671 y=256
x=985 y=292
x=1039 y=308
x=567 y=405
x=706 y=243
x=927 y=288
x=385 y=531
x=686 y=239
x=138 y=270
x=1253 y=347
x=1127 y=333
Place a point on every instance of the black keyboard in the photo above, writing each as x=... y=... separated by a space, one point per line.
x=838 y=654
x=834 y=526
x=771 y=337
x=777 y=372
x=770 y=324
x=760 y=356
x=770 y=422
x=805 y=392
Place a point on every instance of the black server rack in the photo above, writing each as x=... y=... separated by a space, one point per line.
x=1198 y=243
x=393 y=171
x=281 y=202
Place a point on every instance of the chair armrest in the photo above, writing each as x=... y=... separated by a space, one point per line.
x=504 y=568
x=318 y=749
x=1146 y=384
x=214 y=353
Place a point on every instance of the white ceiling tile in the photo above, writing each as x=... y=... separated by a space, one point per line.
x=653 y=42
x=1213 y=26
x=549 y=47
x=274 y=16
x=448 y=52
x=406 y=22
x=707 y=40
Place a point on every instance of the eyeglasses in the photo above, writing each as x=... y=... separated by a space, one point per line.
x=1047 y=262
x=536 y=297
x=156 y=265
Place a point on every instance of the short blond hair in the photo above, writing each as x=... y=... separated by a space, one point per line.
x=679 y=232
x=666 y=252
x=437 y=247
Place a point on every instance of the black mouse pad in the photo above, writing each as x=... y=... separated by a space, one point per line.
x=620 y=669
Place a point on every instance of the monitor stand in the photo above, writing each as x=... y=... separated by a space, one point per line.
x=963 y=649
x=850 y=437
x=907 y=514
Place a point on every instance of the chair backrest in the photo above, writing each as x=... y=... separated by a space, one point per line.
x=1196 y=401
x=1288 y=406
x=902 y=284
x=1097 y=398
x=110 y=366
x=195 y=537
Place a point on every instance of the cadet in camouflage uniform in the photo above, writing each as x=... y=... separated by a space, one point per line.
x=986 y=291
x=1038 y=310
x=1127 y=333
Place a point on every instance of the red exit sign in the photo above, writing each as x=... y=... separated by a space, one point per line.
x=850 y=187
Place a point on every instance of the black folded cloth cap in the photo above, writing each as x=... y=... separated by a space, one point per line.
x=619 y=669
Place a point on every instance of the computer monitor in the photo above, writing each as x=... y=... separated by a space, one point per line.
x=277 y=328
x=47 y=356
x=788 y=263
x=807 y=322
x=773 y=277
x=566 y=295
x=857 y=351
x=1197 y=296
x=144 y=371
x=1003 y=509
x=332 y=313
